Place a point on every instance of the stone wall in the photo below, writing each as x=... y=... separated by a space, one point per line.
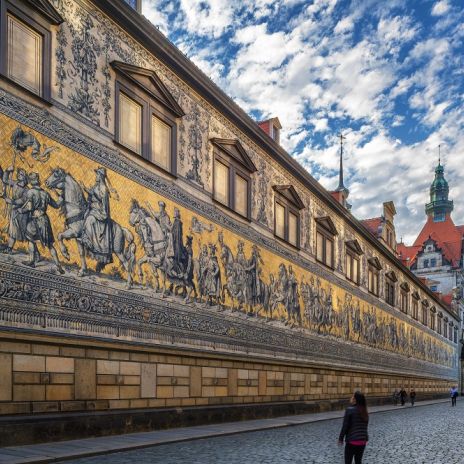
x=55 y=375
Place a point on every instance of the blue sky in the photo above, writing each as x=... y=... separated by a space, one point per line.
x=388 y=74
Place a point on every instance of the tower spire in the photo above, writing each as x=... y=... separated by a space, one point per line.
x=341 y=185
x=439 y=154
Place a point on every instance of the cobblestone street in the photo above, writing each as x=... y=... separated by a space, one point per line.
x=429 y=434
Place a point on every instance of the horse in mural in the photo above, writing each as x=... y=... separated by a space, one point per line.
x=74 y=208
x=155 y=244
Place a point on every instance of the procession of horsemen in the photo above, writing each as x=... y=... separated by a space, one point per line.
x=167 y=262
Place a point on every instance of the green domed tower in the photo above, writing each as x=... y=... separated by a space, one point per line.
x=439 y=206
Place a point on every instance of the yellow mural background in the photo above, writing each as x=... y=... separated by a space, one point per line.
x=82 y=169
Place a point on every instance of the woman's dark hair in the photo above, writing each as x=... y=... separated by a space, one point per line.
x=361 y=405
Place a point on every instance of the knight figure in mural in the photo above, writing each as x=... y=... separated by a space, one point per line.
x=97 y=234
x=38 y=226
x=88 y=221
x=16 y=193
x=213 y=278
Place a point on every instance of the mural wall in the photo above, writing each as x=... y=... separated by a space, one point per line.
x=65 y=214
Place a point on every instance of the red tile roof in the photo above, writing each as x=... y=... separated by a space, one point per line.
x=407 y=254
x=373 y=225
x=446 y=234
x=447 y=299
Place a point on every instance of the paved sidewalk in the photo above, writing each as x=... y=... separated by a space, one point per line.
x=72 y=449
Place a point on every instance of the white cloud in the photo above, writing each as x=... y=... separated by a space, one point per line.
x=440 y=8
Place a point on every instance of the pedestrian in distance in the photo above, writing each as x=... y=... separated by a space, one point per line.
x=403 y=396
x=412 y=396
x=454 y=394
x=396 y=397
x=354 y=429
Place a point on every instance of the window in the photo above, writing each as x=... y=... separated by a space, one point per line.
x=146 y=116
x=25 y=45
x=426 y=263
x=404 y=301
x=352 y=260
x=445 y=330
x=275 y=133
x=433 y=262
x=130 y=123
x=374 y=275
x=231 y=176
x=241 y=195
x=325 y=238
x=161 y=138
x=440 y=324
x=433 y=318
x=221 y=182
x=390 y=291
x=434 y=288
x=373 y=280
x=287 y=206
x=455 y=335
x=415 y=308
x=425 y=314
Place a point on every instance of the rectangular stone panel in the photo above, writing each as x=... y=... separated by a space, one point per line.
x=148 y=380
x=59 y=364
x=232 y=386
x=5 y=377
x=85 y=379
x=195 y=381
x=28 y=363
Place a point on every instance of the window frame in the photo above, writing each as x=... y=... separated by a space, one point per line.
x=374 y=269
x=234 y=169
x=415 y=305
x=289 y=208
x=353 y=252
x=40 y=24
x=327 y=237
x=163 y=107
x=425 y=313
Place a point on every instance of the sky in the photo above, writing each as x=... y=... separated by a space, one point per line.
x=389 y=75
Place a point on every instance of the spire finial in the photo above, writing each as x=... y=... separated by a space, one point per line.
x=341 y=185
x=439 y=154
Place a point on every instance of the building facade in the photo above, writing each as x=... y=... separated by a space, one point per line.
x=437 y=254
x=160 y=248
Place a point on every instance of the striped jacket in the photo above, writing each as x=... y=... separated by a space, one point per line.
x=354 y=428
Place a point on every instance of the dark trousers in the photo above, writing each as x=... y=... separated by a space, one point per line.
x=453 y=401
x=354 y=451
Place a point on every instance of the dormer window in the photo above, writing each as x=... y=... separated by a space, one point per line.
x=287 y=206
x=232 y=169
x=325 y=240
x=25 y=38
x=146 y=116
x=275 y=133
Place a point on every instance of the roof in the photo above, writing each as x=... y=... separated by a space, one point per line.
x=447 y=299
x=447 y=236
x=372 y=224
x=407 y=254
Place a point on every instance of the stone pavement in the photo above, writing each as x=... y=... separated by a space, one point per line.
x=431 y=435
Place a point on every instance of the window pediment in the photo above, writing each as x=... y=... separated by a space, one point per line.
x=433 y=309
x=290 y=194
x=354 y=246
x=405 y=287
x=392 y=276
x=375 y=262
x=235 y=150
x=327 y=224
x=426 y=303
x=149 y=81
x=46 y=9
x=416 y=295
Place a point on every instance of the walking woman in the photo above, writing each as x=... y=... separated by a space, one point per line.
x=354 y=429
